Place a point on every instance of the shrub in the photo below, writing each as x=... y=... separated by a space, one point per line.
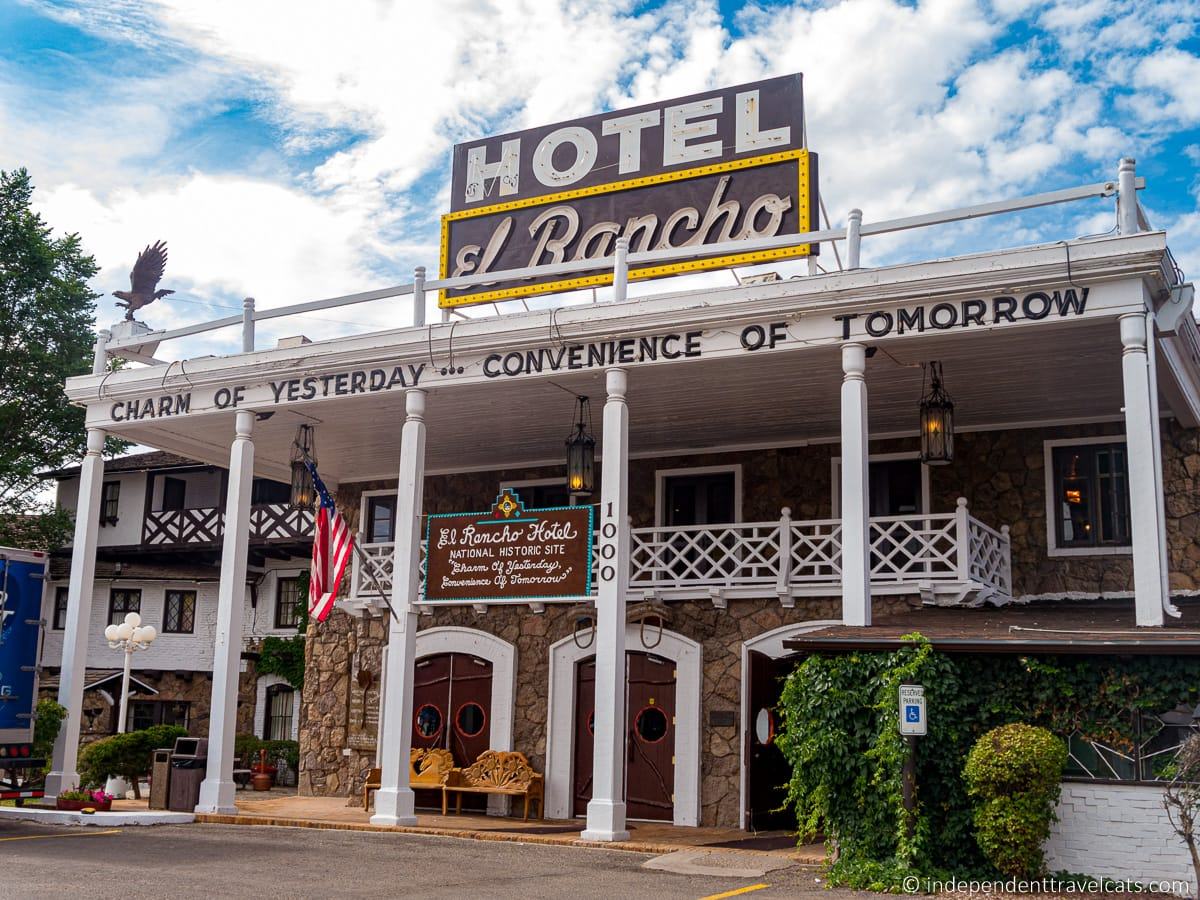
x=46 y=725
x=1014 y=774
x=125 y=755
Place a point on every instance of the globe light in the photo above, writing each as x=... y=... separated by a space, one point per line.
x=124 y=631
x=145 y=635
x=110 y=633
x=133 y=620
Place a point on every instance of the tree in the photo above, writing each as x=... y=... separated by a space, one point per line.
x=1182 y=798
x=47 y=315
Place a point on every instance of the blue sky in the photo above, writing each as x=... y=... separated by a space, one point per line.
x=304 y=155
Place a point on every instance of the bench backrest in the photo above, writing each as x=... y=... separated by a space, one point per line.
x=429 y=766
x=499 y=769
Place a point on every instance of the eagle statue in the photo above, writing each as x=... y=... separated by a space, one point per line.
x=143 y=280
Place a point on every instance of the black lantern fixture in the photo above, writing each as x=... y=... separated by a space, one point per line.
x=304 y=450
x=581 y=451
x=937 y=420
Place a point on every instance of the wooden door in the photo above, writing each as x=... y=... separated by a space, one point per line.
x=585 y=719
x=649 y=736
x=431 y=700
x=768 y=771
x=471 y=700
x=650 y=755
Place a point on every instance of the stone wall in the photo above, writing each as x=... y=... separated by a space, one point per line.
x=1002 y=474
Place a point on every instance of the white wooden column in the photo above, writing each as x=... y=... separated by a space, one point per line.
x=606 y=810
x=856 y=549
x=1145 y=483
x=63 y=775
x=217 y=789
x=394 y=801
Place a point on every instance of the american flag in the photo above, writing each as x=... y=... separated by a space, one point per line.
x=332 y=544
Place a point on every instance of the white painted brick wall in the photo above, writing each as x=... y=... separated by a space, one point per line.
x=1117 y=831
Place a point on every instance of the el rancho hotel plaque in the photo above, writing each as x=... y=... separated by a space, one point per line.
x=509 y=554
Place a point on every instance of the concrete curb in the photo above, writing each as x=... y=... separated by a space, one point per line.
x=650 y=847
x=100 y=819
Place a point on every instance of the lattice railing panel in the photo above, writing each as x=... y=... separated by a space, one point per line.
x=913 y=548
x=206 y=525
x=990 y=559
x=816 y=552
x=724 y=555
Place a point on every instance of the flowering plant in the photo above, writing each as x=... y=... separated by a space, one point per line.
x=74 y=795
x=100 y=796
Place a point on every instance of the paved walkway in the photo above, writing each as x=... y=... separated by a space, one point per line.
x=645 y=837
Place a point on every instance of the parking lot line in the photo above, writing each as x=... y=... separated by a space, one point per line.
x=742 y=890
x=36 y=837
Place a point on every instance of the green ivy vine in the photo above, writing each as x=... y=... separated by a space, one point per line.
x=283 y=657
x=841 y=736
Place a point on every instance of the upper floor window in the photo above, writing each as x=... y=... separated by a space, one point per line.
x=60 y=607
x=381 y=519
x=147 y=713
x=703 y=498
x=122 y=601
x=174 y=494
x=287 y=603
x=264 y=491
x=540 y=496
x=179 y=612
x=1090 y=495
x=110 y=496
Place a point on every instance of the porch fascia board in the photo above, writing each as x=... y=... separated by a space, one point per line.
x=1092 y=261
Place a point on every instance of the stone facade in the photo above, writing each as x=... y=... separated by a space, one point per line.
x=1001 y=473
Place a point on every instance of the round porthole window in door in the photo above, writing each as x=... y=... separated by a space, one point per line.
x=428 y=721
x=651 y=725
x=470 y=719
x=764 y=727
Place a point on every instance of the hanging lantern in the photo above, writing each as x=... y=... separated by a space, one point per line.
x=581 y=451
x=304 y=450
x=937 y=421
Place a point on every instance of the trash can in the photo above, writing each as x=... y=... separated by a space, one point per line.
x=160 y=779
x=189 y=760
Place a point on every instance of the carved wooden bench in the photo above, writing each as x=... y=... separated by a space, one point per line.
x=504 y=772
x=426 y=769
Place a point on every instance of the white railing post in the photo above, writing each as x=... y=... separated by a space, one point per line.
x=606 y=809
x=1145 y=482
x=962 y=537
x=395 y=803
x=1127 y=221
x=621 y=269
x=65 y=756
x=783 y=586
x=248 y=325
x=217 y=789
x=1006 y=568
x=853 y=238
x=856 y=524
x=418 y=296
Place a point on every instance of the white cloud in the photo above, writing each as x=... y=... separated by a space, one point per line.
x=1177 y=75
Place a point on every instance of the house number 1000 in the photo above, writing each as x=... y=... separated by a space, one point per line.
x=608 y=549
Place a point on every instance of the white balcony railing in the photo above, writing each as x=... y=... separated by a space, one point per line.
x=948 y=558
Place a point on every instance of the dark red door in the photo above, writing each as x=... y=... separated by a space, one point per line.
x=650 y=770
x=768 y=771
x=585 y=716
x=649 y=736
x=452 y=698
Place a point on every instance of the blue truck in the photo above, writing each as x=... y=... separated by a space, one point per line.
x=22 y=575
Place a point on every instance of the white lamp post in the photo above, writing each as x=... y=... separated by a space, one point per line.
x=130 y=635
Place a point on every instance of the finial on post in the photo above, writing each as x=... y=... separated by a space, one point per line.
x=418 y=296
x=248 y=325
x=1127 y=217
x=853 y=238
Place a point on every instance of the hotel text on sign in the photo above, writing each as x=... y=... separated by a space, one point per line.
x=509 y=553
x=725 y=165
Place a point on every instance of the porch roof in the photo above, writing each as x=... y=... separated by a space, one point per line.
x=1073 y=626
x=1002 y=375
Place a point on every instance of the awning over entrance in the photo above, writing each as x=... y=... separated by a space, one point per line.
x=1079 y=626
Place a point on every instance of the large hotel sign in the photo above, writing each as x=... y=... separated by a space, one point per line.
x=724 y=165
x=509 y=553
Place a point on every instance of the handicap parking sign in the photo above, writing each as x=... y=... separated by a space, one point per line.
x=912 y=709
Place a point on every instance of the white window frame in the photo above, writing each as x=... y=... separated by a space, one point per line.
x=835 y=479
x=363 y=506
x=1052 y=548
x=660 y=485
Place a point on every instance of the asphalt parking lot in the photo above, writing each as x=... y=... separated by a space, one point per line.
x=210 y=861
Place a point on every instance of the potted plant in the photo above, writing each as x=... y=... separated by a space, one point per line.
x=264 y=775
x=74 y=801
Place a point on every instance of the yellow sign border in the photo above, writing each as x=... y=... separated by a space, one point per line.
x=803 y=204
